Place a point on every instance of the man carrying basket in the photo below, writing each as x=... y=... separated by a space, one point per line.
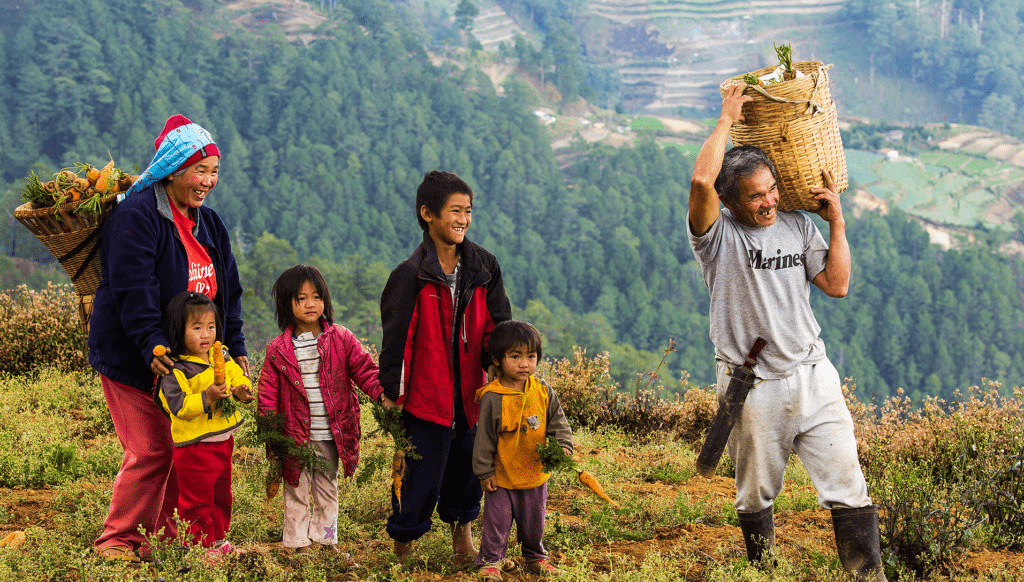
x=758 y=264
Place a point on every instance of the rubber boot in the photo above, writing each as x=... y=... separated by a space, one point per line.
x=857 y=541
x=758 y=533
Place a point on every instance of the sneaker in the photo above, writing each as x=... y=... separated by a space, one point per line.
x=542 y=568
x=490 y=573
x=221 y=548
x=118 y=553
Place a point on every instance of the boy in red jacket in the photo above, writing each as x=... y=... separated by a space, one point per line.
x=438 y=309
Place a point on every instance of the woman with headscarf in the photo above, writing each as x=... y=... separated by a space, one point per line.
x=159 y=240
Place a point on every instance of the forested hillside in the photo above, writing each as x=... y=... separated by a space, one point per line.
x=969 y=51
x=324 y=144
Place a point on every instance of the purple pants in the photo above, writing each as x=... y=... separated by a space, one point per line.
x=526 y=507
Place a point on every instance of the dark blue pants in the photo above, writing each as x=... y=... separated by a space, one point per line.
x=442 y=477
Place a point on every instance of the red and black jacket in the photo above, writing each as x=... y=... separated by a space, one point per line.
x=423 y=364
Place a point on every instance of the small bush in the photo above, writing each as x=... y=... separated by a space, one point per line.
x=41 y=328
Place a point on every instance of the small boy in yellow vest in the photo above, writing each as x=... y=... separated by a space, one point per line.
x=517 y=413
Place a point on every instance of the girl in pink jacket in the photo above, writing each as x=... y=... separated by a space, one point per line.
x=307 y=378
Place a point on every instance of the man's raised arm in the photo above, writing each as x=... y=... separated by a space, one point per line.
x=703 y=198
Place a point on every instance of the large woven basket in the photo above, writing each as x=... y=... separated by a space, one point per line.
x=795 y=122
x=74 y=238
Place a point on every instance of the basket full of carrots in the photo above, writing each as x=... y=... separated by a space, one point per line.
x=65 y=214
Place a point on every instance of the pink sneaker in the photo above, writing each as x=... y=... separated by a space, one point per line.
x=542 y=568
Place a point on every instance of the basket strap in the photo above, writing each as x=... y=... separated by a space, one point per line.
x=78 y=248
x=812 y=105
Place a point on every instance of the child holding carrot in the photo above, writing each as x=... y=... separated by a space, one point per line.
x=193 y=396
x=518 y=413
x=307 y=379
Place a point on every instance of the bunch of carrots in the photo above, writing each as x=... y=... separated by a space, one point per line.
x=389 y=421
x=79 y=183
x=554 y=458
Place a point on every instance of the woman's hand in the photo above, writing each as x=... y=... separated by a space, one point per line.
x=243 y=363
x=161 y=365
x=489 y=484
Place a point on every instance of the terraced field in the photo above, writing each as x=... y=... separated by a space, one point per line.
x=944 y=188
x=631 y=10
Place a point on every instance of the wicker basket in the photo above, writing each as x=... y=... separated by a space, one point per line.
x=74 y=238
x=796 y=124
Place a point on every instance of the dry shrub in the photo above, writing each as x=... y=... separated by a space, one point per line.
x=591 y=398
x=583 y=384
x=41 y=328
x=939 y=471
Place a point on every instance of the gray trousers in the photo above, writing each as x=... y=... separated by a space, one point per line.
x=805 y=413
x=303 y=523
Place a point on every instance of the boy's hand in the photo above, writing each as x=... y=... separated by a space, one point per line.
x=489 y=484
x=387 y=402
x=243 y=393
x=217 y=392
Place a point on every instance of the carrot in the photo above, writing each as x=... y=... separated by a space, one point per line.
x=13 y=540
x=397 y=473
x=274 y=479
x=102 y=183
x=159 y=350
x=590 y=481
x=217 y=359
x=92 y=174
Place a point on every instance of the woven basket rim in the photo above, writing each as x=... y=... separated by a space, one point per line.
x=804 y=67
x=29 y=210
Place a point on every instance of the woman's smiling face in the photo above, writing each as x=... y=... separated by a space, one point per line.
x=190 y=189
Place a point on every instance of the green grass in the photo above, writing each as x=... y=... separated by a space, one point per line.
x=654 y=535
x=648 y=123
x=977 y=166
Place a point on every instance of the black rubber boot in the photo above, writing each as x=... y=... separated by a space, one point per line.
x=758 y=533
x=858 y=543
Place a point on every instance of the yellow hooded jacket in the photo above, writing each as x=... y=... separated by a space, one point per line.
x=181 y=396
x=511 y=425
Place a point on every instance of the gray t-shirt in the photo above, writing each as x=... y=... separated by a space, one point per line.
x=759 y=279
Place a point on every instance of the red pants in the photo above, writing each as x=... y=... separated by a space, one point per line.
x=138 y=496
x=204 y=489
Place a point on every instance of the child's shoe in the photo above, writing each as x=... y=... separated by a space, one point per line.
x=119 y=553
x=542 y=568
x=219 y=552
x=490 y=573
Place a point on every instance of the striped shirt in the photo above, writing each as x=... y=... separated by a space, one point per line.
x=309 y=366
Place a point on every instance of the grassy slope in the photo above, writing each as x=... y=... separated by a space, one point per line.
x=672 y=525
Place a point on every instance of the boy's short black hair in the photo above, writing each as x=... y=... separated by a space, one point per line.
x=434 y=191
x=511 y=333
x=286 y=291
x=176 y=316
x=739 y=163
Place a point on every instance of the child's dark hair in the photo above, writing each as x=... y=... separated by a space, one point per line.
x=511 y=333
x=182 y=306
x=286 y=292
x=434 y=191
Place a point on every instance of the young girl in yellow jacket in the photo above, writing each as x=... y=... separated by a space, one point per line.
x=202 y=434
x=517 y=413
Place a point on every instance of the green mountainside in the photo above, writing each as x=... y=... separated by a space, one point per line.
x=327 y=127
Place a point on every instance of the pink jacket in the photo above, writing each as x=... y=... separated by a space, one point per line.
x=343 y=360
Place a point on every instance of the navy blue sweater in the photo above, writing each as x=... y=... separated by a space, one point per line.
x=144 y=265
